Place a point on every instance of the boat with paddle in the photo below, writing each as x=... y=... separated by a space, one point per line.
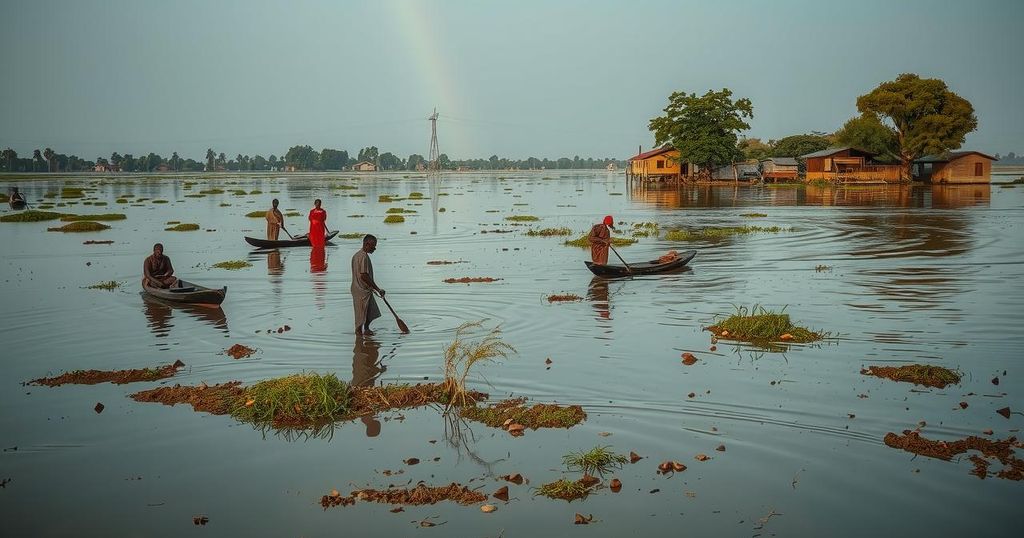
x=652 y=267
x=297 y=241
x=187 y=293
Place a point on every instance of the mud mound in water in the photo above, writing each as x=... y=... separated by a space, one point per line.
x=1002 y=450
x=238 y=351
x=420 y=495
x=216 y=399
x=918 y=374
x=514 y=415
x=117 y=377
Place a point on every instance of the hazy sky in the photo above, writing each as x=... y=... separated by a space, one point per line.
x=516 y=78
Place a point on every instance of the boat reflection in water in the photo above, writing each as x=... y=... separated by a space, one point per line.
x=160 y=313
x=366 y=369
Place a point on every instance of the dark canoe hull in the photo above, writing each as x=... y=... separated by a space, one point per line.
x=652 y=267
x=17 y=205
x=300 y=241
x=188 y=293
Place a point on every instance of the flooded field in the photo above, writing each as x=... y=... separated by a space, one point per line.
x=774 y=438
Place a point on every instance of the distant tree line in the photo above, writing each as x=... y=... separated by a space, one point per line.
x=303 y=158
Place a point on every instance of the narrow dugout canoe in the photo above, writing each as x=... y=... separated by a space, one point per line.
x=188 y=293
x=299 y=241
x=643 y=268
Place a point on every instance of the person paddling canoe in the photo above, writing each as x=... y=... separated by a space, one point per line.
x=600 y=238
x=363 y=286
x=275 y=221
x=157 y=271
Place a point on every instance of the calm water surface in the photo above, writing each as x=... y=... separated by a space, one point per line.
x=920 y=274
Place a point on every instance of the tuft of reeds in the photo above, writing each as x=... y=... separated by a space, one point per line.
x=549 y=232
x=598 y=460
x=758 y=324
x=298 y=399
x=462 y=355
x=184 y=227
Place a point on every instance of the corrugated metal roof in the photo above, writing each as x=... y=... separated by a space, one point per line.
x=652 y=153
x=950 y=156
x=825 y=152
x=784 y=161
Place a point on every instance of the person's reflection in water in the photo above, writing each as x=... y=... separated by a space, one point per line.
x=366 y=368
x=318 y=269
x=274 y=264
x=158 y=316
x=597 y=293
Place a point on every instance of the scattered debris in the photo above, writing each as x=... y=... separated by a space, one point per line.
x=239 y=351
x=911 y=441
x=583 y=520
x=99 y=408
x=568 y=297
x=468 y=279
x=689 y=359
x=488 y=508
x=419 y=495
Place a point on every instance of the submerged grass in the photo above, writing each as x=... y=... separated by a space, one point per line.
x=110 y=285
x=721 y=232
x=232 y=265
x=184 y=227
x=597 y=460
x=918 y=374
x=31 y=216
x=522 y=218
x=100 y=217
x=399 y=210
x=568 y=490
x=80 y=226
x=583 y=242
x=758 y=324
x=549 y=232
x=299 y=399
x=394 y=219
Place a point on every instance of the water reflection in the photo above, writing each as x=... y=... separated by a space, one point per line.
x=275 y=266
x=318 y=271
x=159 y=315
x=597 y=293
x=366 y=368
x=728 y=195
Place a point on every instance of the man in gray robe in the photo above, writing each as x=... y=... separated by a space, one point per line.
x=363 y=286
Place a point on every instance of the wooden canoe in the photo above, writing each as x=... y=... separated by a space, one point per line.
x=299 y=241
x=643 y=268
x=188 y=293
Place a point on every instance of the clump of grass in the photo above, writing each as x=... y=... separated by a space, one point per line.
x=758 y=324
x=569 y=490
x=69 y=192
x=212 y=191
x=232 y=265
x=101 y=217
x=257 y=191
x=256 y=214
x=533 y=416
x=295 y=400
x=549 y=232
x=597 y=460
x=394 y=219
x=415 y=195
x=721 y=232
x=30 y=216
x=645 y=229
x=462 y=355
x=109 y=285
x=184 y=227
x=583 y=242
x=80 y=226
x=918 y=374
x=399 y=210
x=753 y=215
x=121 y=201
x=522 y=218
x=354 y=235
x=386 y=198
x=159 y=201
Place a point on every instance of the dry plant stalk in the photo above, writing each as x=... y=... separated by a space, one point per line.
x=461 y=355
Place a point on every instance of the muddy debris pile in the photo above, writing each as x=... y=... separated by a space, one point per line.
x=420 y=495
x=470 y=279
x=918 y=374
x=564 y=298
x=214 y=399
x=515 y=416
x=239 y=351
x=1001 y=450
x=117 y=377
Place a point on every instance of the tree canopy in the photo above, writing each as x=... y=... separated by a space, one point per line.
x=868 y=133
x=926 y=117
x=801 y=144
x=703 y=129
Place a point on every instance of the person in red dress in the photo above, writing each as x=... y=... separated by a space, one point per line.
x=317 y=225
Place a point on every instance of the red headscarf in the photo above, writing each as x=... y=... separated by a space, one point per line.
x=609 y=221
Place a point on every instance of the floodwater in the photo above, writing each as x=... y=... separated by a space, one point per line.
x=914 y=274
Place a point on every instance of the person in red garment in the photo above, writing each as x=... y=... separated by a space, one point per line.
x=600 y=237
x=317 y=225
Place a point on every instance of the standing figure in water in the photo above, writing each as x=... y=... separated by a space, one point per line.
x=275 y=221
x=363 y=286
x=317 y=225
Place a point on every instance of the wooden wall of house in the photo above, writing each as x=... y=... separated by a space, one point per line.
x=649 y=166
x=963 y=170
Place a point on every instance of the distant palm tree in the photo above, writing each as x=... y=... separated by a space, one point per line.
x=36 y=158
x=10 y=155
x=210 y=156
x=49 y=155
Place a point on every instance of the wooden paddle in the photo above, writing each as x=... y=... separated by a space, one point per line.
x=401 y=324
x=286 y=231
x=628 y=268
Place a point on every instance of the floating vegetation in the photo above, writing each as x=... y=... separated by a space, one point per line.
x=354 y=235
x=420 y=495
x=394 y=219
x=598 y=460
x=256 y=214
x=257 y=191
x=522 y=218
x=356 y=216
x=92 y=242
x=509 y=414
x=295 y=400
x=470 y=279
x=109 y=286
x=101 y=217
x=1002 y=450
x=759 y=324
x=225 y=204
x=584 y=242
x=444 y=262
x=232 y=265
x=190 y=196
x=30 y=216
x=212 y=191
x=293 y=214
x=80 y=226
x=344 y=187
x=385 y=198
x=184 y=227
x=121 y=201
x=117 y=377
x=645 y=229
x=821 y=268
x=549 y=232
x=918 y=374
x=463 y=354
x=568 y=490
x=721 y=232
x=415 y=195
x=399 y=210
x=172 y=222
x=69 y=192
x=753 y=215
x=158 y=202
x=568 y=297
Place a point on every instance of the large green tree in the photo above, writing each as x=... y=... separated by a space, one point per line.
x=302 y=157
x=703 y=128
x=926 y=116
x=868 y=133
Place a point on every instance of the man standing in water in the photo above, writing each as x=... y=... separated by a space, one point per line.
x=363 y=286
x=157 y=271
x=600 y=238
x=275 y=221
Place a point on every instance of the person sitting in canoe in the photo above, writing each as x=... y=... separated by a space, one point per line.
x=157 y=271
x=600 y=238
x=317 y=225
x=16 y=197
x=275 y=221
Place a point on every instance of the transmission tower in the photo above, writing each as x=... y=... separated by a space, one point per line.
x=434 y=165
